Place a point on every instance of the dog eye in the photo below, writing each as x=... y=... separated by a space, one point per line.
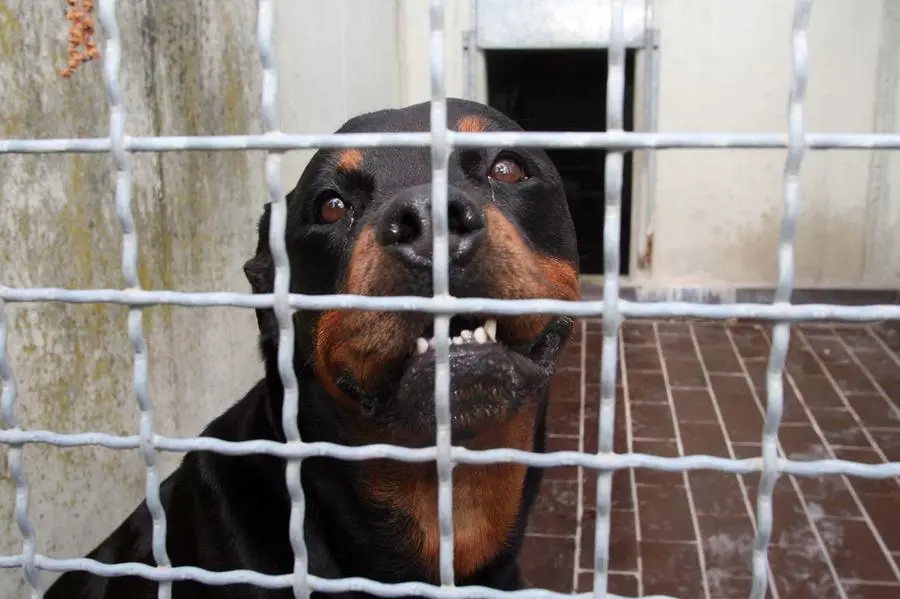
x=507 y=170
x=332 y=210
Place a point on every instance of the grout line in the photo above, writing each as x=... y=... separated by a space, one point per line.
x=871 y=378
x=875 y=532
x=687 y=483
x=579 y=505
x=629 y=431
x=547 y=535
x=872 y=583
x=885 y=348
x=745 y=494
x=796 y=486
x=614 y=573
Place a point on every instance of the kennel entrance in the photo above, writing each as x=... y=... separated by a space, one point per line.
x=545 y=66
x=565 y=90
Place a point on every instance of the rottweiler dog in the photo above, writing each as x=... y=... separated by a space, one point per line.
x=359 y=222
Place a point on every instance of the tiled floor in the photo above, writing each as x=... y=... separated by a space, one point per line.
x=699 y=387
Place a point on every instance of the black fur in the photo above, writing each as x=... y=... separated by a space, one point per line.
x=228 y=513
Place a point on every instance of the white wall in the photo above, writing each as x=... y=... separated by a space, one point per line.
x=337 y=58
x=726 y=68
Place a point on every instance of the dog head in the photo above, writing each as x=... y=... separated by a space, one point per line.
x=359 y=222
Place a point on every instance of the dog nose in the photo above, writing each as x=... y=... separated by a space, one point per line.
x=405 y=227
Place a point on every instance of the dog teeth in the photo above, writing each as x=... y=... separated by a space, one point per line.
x=481 y=335
x=490 y=327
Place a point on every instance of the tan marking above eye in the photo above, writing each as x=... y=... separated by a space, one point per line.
x=350 y=160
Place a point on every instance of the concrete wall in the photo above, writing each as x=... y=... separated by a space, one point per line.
x=726 y=68
x=189 y=67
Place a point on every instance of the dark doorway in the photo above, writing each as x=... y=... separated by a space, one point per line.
x=565 y=90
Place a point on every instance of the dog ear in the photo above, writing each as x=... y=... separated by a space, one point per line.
x=260 y=269
x=259 y=272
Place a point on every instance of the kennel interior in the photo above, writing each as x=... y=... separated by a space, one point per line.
x=699 y=225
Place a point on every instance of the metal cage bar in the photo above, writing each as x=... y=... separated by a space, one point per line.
x=612 y=319
x=284 y=314
x=628 y=140
x=121 y=163
x=441 y=140
x=440 y=155
x=28 y=558
x=781 y=331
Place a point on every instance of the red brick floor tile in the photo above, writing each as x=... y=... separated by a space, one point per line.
x=855 y=552
x=818 y=392
x=802 y=573
x=750 y=342
x=888 y=441
x=671 y=569
x=829 y=349
x=829 y=496
x=622 y=493
x=858 y=337
x=564 y=418
x=677 y=345
x=647 y=387
x=884 y=514
x=868 y=486
x=840 y=427
x=738 y=407
x=623 y=545
x=651 y=421
x=619 y=583
x=703 y=439
x=742 y=451
x=851 y=379
x=673 y=327
x=836 y=397
x=555 y=443
x=650 y=477
x=555 y=512
x=863 y=590
x=685 y=373
x=694 y=406
x=638 y=333
x=716 y=493
x=547 y=563
x=642 y=358
x=566 y=387
x=727 y=543
x=801 y=443
x=876 y=412
x=665 y=514
x=717 y=353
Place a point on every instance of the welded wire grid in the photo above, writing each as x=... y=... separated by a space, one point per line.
x=442 y=306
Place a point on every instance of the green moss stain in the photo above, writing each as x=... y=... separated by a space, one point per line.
x=74 y=361
x=10 y=32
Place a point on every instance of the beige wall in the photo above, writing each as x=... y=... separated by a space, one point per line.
x=725 y=67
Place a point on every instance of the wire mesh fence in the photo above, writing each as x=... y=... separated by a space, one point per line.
x=442 y=306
